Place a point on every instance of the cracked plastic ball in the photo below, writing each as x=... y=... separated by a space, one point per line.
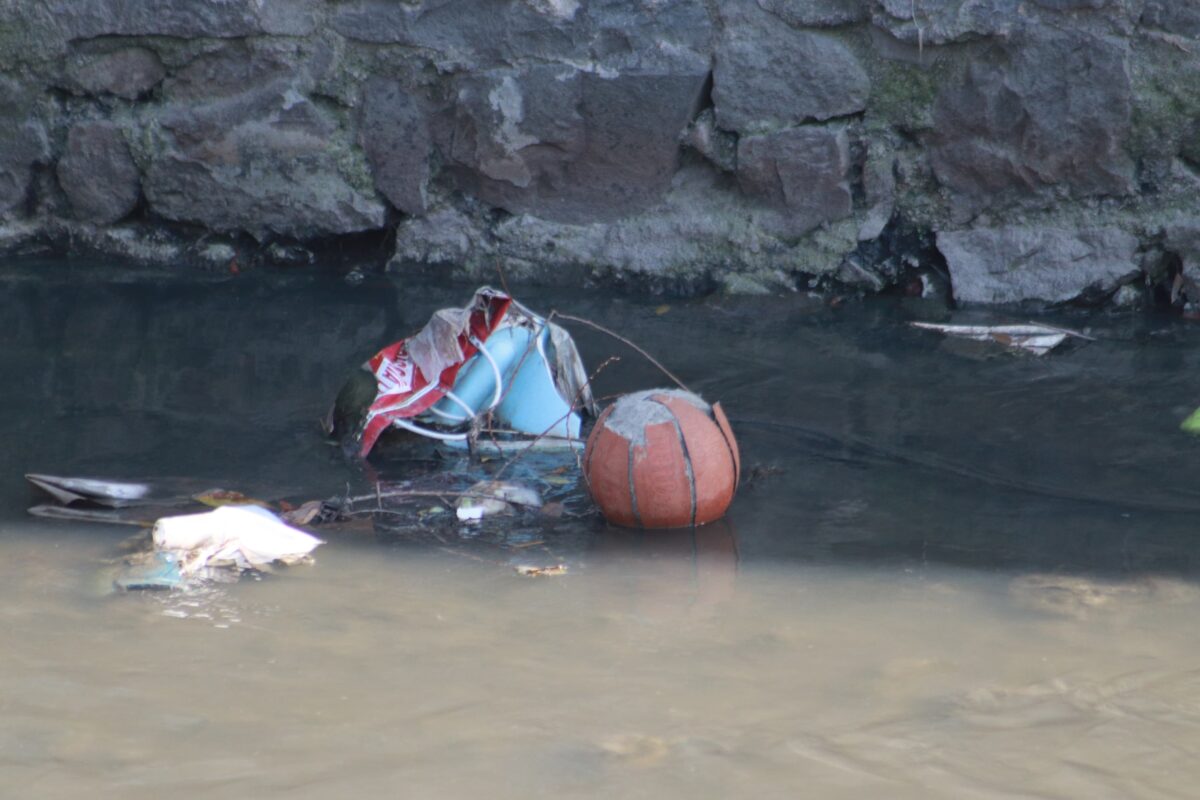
x=662 y=458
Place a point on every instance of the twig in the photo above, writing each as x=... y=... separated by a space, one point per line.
x=622 y=339
x=503 y=282
x=443 y=496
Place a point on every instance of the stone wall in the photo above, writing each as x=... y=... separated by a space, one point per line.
x=1030 y=149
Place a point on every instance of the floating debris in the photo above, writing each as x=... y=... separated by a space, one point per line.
x=1029 y=337
x=662 y=458
x=494 y=357
x=93 y=491
x=236 y=537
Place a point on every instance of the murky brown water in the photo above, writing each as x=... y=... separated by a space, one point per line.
x=971 y=576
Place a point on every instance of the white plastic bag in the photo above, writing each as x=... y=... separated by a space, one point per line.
x=243 y=537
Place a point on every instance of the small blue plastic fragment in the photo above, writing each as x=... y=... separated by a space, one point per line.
x=159 y=572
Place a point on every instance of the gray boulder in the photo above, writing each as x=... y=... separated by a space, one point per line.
x=471 y=34
x=767 y=75
x=129 y=72
x=97 y=173
x=1182 y=237
x=518 y=127
x=23 y=143
x=1015 y=264
x=936 y=22
x=699 y=229
x=89 y=19
x=1172 y=16
x=395 y=137
x=801 y=171
x=1046 y=115
x=569 y=145
x=466 y=34
x=235 y=67
x=670 y=37
x=267 y=161
x=817 y=13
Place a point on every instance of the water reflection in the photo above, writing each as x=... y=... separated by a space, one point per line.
x=682 y=574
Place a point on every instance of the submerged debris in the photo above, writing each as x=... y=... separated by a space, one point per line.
x=1029 y=337
x=495 y=497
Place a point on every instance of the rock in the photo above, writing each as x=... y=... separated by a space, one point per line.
x=1014 y=264
x=23 y=143
x=697 y=231
x=1073 y=5
x=1182 y=237
x=395 y=137
x=443 y=236
x=97 y=173
x=1047 y=114
x=817 y=13
x=768 y=75
x=716 y=145
x=233 y=68
x=90 y=19
x=879 y=189
x=936 y=22
x=466 y=34
x=289 y=255
x=519 y=126
x=608 y=36
x=671 y=37
x=217 y=254
x=522 y=136
x=128 y=73
x=751 y=285
x=802 y=170
x=265 y=162
x=1172 y=16
x=21 y=147
x=1129 y=296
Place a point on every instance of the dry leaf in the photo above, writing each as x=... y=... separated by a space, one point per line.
x=215 y=498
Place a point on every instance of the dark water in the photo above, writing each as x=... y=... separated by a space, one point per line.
x=952 y=571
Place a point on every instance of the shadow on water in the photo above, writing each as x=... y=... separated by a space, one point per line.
x=865 y=441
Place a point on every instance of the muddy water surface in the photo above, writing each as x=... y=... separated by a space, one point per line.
x=952 y=573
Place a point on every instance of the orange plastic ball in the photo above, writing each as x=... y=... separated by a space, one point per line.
x=662 y=458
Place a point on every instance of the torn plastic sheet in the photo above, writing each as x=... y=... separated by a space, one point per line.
x=1030 y=337
x=493 y=356
x=111 y=494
